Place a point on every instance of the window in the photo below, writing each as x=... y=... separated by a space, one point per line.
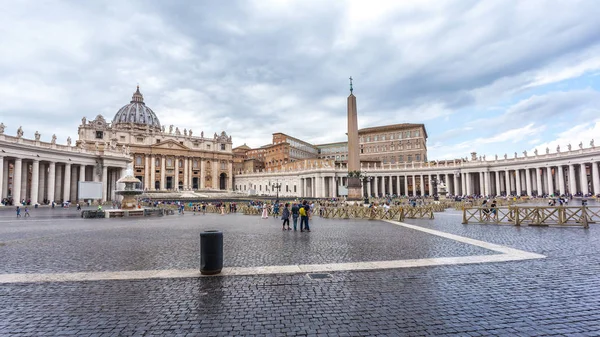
x=140 y=139
x=391 y=147
x=169 y=162
x=407 y=134
x=123 y=138
x=208 y=146
x=392 y=136
x=418 y=157
x=157 y=141
x=195 y=164
x=400 y=158
x=138 y=160
x=417 y=133
x=376 y=138
x=99 y=134
x=409 y=159
x=368 y=139
x=180 y=163
x=294 y=188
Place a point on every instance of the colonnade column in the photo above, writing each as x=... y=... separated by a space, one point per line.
x=398 y=191
x=572 y=182
x=455 y=187
x=487 y=183
x=376 y=186
x=406 y=185
x=42 y=182
x=538 y=181
x=507 y=182
x=163 y=177
x=24 y=173
x=498 y=189
x=550 y=181
x=595 y=178
x=561 y=179
x=4 y=189
x=17 y=171
x=104 y=182
x=463 y=184
x=1 y=178
x=67 y=183
x=35 y=175
x=369 y=188
x=390 y=186
x=518 y=181
x=528 y=181
x=584 y=182
x=481 y=183
x=469 y=189
x=430 y=183
x=51 y=181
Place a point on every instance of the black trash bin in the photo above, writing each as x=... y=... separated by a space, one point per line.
x=211 y=252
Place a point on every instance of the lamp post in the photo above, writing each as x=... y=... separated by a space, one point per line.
x=434 y=184
x=366 y=179
x=276 y=186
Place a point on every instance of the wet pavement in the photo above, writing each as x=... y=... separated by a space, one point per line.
x=558 y=295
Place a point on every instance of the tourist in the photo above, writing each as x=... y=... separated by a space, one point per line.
x=265 y=212
x=26 y=212
x=203 y=208
x=18 y=212
x=194 y=208
x=285 y=216
x=295 y=214
x=304 y=214
x=275 y=209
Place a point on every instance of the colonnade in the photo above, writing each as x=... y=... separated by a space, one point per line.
x=36 y=181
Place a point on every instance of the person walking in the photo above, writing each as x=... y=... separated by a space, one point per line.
x=26 y=212
x=265 y=212
x=295 y=214
x=18 y=212
x=285 y=216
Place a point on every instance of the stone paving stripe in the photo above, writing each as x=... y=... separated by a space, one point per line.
x=507 y=254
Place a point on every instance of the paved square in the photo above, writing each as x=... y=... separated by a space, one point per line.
x=534 y=296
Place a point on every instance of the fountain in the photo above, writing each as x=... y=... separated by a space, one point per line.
x=130 y=191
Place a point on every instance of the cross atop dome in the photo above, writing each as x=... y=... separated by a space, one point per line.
x=137 y=96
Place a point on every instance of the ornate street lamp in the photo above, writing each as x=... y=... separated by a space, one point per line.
x=434 y=184
x=276 y=186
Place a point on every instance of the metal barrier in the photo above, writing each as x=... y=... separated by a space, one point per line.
x=380 y=213
x=534 y=215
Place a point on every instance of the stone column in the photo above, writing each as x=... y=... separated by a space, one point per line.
x=455 y=187
x=4 y=189
x=230 y=176
x=313 y=188
x=561 y=180
x=469 y=187
x=215 y=173
x=67 y=183
x=42 y=182
x=398 y=191
x=538 y=181
x=507 y=181
x=390 y=185
x=185 y=173
x=203 y=173
x=35 y=176
x=406 y=185
x=463 y=184
x=2 y=195
x=518 y=181
x=51 y=181
x=16 y=187
x=595 y=178
x=152 y=173
x=430 y=183
x=147 y=172
x=550 y=181
x=422 y=184
x=95 y=173
x=369 y=188
x=104 y=182
x=24 y=174
x=376 y=186
x=572 y=182
x=584 y=180
x=487 y=183
x=481 y=183
x=163 y=172
x=498 y=187
x=176 y=177
x=528 y=181
x=58 y=183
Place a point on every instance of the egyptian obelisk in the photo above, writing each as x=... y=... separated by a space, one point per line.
x=354 y=184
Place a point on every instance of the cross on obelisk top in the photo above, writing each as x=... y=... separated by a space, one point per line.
x=351 y=84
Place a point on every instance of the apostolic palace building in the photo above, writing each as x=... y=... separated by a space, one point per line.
x=393 y=161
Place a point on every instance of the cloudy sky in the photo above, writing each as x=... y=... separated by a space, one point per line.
x=488 y=76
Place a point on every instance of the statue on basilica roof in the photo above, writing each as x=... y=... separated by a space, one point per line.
x=53 y=141
x=569 y=147
x=171 y=129
x=37 y=136
x=190 y=132
x=163 y=129
x=185 y=132
x=20 y=132
x=2 y=126
x=68 y=141
x=177 y=132
x=83 y=121
x=581 y=145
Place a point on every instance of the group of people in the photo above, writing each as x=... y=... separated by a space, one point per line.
x=299 y=210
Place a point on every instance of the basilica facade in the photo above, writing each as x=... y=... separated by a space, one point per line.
x=164 y=159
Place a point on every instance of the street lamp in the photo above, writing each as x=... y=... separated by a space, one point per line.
x=277 y=186
x=367 y=180
x=434 y=184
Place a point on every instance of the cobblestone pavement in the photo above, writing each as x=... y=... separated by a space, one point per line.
x=558 y=295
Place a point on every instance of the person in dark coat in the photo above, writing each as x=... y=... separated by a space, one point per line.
x=285 y=216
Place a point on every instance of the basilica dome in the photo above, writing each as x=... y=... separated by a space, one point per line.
x=137 y=112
